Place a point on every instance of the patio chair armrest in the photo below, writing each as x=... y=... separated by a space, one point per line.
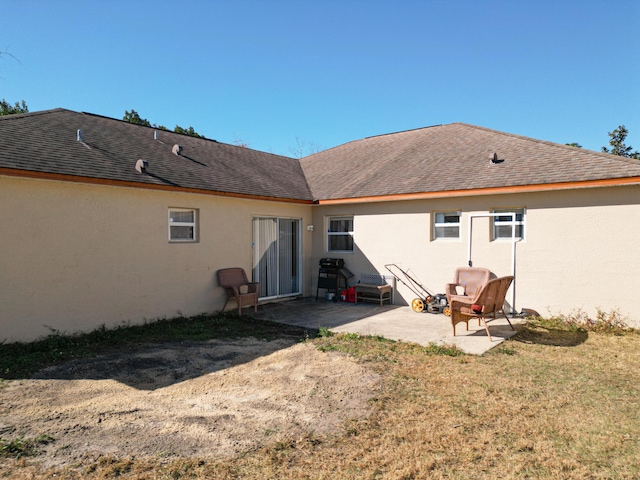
x=456 y=305
x=450 y=289
x=253 y=287
x=461 y=300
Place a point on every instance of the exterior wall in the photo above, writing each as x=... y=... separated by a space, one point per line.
x=580 y=250
x=76 y=256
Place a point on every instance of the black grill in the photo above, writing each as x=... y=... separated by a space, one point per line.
x=332 y=276
x=331 y=263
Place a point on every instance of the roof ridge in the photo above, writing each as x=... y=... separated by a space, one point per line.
x=163 y=129
x=407 y=130
x=31 y=114
x=375 y=136
x=331 y=148
x=182 y=134
x=45 y=147
x=583 y=151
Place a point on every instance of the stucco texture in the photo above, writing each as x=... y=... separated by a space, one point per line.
x=77 y=256
x=579 y=254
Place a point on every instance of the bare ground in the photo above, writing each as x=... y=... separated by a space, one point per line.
x=189 y=399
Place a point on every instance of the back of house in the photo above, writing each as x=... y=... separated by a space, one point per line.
x=106 y=222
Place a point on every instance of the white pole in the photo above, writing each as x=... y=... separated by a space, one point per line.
x=513 y=263
x=469 y=241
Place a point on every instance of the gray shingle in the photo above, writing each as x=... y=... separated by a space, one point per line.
x=46 y=142
x=452 y=157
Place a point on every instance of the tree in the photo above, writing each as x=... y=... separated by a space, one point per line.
x=5 y=53
x=187 y=131
x=239 y=142
x=7 y=109
x=133 y=117
x=303 y=148
x=618 y=147
x=574 y=144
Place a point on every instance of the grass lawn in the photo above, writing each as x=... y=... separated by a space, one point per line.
x=551 y=402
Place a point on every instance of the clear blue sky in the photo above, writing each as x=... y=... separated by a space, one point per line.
x=327 y=72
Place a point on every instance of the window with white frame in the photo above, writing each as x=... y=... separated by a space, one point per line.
x=503 y=224
x=446 y=225
x=340 y=234
x=182 y=225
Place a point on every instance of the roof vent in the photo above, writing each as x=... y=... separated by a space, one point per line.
x=177 y=149
x=79 y=135
x=494 y=159
x=142 y=165
x=155 y=134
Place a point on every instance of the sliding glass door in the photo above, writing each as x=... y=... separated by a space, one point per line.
x=276 y=256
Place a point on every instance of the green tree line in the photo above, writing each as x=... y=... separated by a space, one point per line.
x=133 y=117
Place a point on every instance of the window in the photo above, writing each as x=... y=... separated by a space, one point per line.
x=340 y=234
x=182 y=225
x=502 y=224
x=446 y=225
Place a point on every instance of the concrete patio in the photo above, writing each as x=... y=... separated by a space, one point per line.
x=390 y=321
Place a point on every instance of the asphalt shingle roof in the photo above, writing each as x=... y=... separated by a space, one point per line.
x=452 y=157
x=46 y=142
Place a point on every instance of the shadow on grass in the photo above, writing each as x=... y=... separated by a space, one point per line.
x=546 y=336
x=150 y=356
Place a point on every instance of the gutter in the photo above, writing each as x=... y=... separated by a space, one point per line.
x=10 y=172
x=544 y=187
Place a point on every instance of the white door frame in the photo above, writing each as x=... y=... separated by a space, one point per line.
x=299 y=254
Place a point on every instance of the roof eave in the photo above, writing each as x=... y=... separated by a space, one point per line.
x=545 y=187
x=148 y=186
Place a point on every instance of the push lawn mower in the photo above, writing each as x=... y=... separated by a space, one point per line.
x=426 y=301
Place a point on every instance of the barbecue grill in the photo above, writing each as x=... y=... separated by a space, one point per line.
x=332 y=276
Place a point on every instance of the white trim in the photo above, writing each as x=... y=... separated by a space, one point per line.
x=336 y=234
x=277 y=259
x=512 y=223
x=193 y=224
x=445 y=225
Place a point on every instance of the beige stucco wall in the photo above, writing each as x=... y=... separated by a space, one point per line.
x=76 y=256
x=581 y=248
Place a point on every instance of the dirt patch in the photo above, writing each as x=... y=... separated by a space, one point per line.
x=198 y=399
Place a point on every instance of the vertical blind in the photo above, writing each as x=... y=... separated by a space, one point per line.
x=276 y=255
x=288 y=250
x=266 y=255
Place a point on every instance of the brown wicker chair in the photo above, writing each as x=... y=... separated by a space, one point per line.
x=484 y=305
x=470 y=278
x=245 y=293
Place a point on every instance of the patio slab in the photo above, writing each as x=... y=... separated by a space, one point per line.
x=389 y=321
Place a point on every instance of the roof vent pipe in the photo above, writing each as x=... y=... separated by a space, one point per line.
x=155 y=134
x=494 y=159
x=177 y=149
x=142 y=165
x=79 y=135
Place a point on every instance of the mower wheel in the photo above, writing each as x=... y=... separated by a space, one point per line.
x=447 y=311
x=417 y=305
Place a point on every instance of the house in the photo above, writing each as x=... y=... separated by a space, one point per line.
x=105 y=221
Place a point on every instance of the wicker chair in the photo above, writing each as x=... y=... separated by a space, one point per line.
x=470 y=279
x=485 y=305
x=235 y=282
